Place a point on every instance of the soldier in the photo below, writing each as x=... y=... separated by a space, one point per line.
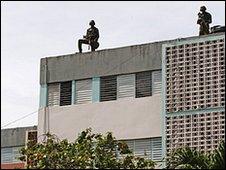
x=204 y=19
x=90 y=38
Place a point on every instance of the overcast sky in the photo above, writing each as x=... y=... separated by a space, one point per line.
x=33 y=30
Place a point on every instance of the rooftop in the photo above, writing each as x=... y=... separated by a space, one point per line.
x=14 y=136
x=123 y=60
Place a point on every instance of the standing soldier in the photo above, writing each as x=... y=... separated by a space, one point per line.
x=204 y=19
x=90 y=38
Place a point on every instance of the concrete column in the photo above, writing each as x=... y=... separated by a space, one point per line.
x=43 y=98
x=96 y=89
x=73 y=91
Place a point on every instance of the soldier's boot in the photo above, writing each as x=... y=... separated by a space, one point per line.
x=80 y=46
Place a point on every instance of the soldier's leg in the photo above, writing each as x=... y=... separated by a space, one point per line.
x=207 y=30
x=92 y=48
x=80 y=42
x=94 y=45
x=201 y=32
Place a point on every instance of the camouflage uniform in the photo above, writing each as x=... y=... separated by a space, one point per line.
x=204 y=20
x=91 y=38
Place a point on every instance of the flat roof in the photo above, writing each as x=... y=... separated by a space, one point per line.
x=12 y=137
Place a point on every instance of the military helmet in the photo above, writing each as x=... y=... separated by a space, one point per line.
x=92 y=22
x=202 y=8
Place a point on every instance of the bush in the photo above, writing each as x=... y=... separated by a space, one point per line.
x=88 y=151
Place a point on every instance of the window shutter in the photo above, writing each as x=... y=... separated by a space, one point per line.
x=16 y=154
x=143 y=84
x=65 y=93
x=130 y=144
x=147 y=148
x=142 y=148
x=126 y=86
x=156 y=145
x=84 y=91
x=53 y=94
x=108 y=88
x=10 y=155
x=6 y=155
x=156 y=82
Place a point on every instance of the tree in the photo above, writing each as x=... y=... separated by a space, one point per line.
x=187 y=158
x=88 y=151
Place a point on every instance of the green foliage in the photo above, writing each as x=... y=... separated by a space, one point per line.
x=187 y=158
x=218 y=157
x=88 y=151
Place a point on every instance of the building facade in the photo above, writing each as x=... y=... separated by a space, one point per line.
x=194 y=93
x=12 y=140
x=136 y=92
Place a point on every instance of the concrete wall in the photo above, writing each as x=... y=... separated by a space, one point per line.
x=101 y=63
x=14 y=136
x=105 y=62
x=126 y=118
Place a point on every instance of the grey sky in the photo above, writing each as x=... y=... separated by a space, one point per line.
x=32 y=30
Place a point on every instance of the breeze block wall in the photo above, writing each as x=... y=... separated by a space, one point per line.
x=194 y=93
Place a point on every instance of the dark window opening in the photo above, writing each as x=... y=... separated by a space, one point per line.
x=143 y=84
x=65 y=93
x=108 y=88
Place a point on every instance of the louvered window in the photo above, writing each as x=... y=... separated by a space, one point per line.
x=16 y=154
x=108 y=88
x=6 y=155
x=10 y=155
x=53 y=94
x=142 y=148
x=147 y=148
x=156 y=146
x=83 y=91
x=65 y=93
x=143 y=84
x=130 y=144
x=156 y=82
x=126 y=86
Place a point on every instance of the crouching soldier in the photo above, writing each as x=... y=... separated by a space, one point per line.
x=91 y=37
